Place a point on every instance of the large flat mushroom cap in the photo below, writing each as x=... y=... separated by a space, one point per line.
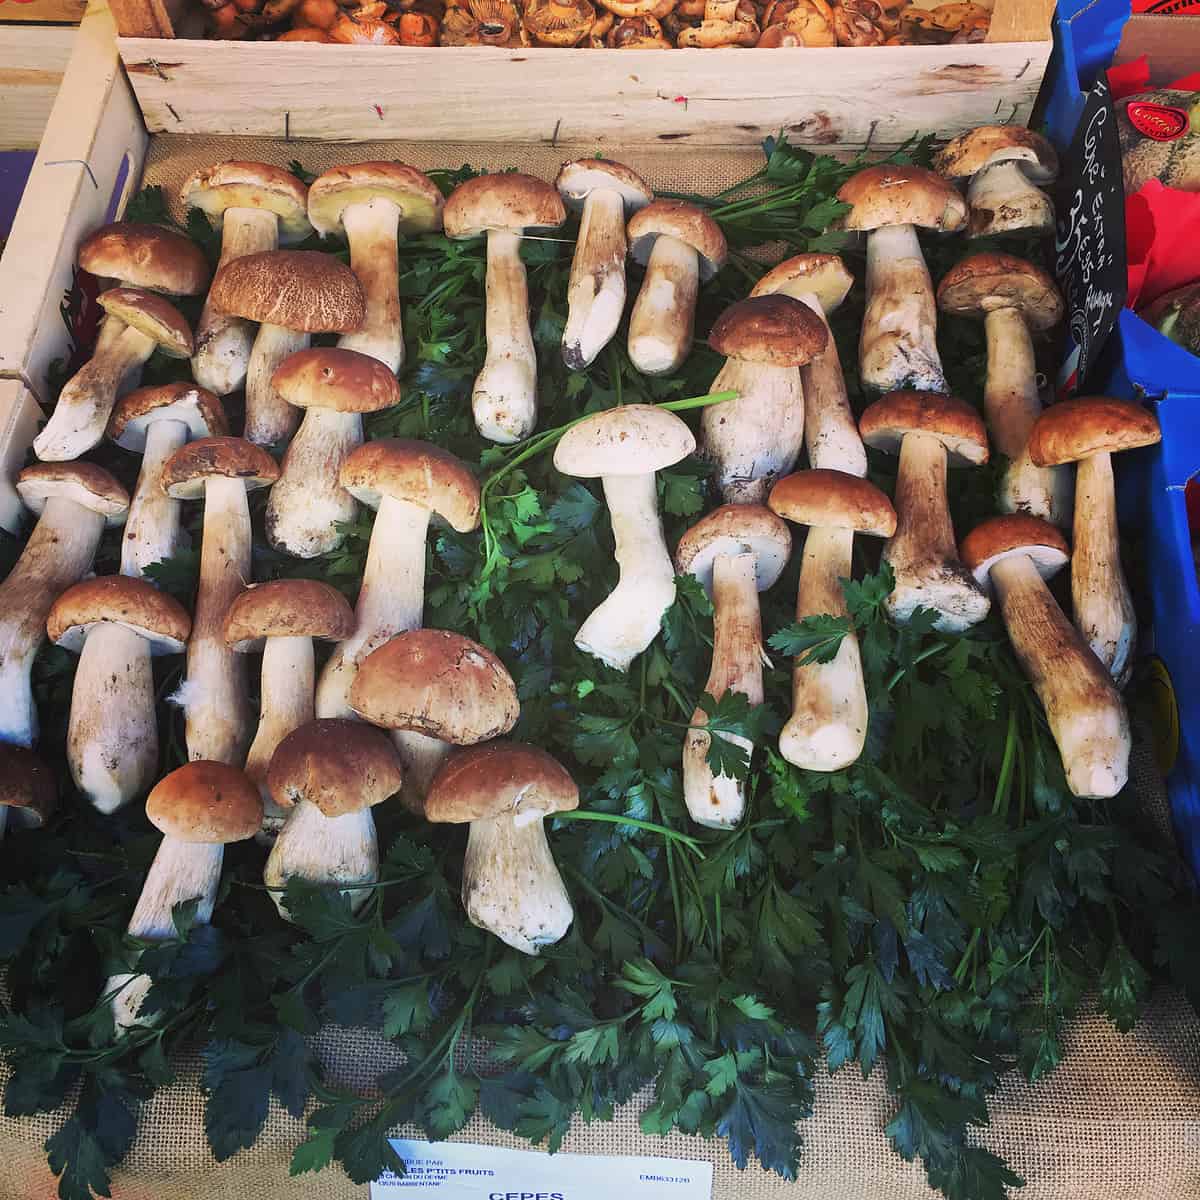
x=828 y=499
x=150 y=314
x=511 y=202
x=1008 y=536
x=82 y=483
x=303 y=290
x=305 y=608
x=500 y=779
x=340 y=766
x=418 y=472
x=27 y=787
x=437 y=683
x=772 y=329
x=253 y=185
x=822 y=275
x=896 y=195
x=577 y=180
x=147 y=256
x=195 y=407
x=735 y=529
x=685 y=223
x=206 y=802
x=954 y=423
x=1087 y=425
x=186 y=470
x=970 y=152
x=633 y=439
x=985 y=282
x=340 y=380
x=119 y=600
x=418 y=198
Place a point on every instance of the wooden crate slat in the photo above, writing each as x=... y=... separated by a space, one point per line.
x=48 y=12
x=19 y=418
x=32 y=61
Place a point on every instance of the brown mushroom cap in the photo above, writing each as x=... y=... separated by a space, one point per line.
x=303 y=290
x=146 y=256
x=82 y=483
x=1008 y=536
x=955 y=424
x=186 y=470
x=419 y=472
x=207 y=802
x=502 y=202
x=253 y=185
x=735 y=529
x=287 y=608
x=577 y=180
x=970 y=152
x=822 y=275
x=559 y=22
x=27 y=787
x=340 y=766
x=985 y=282
x=833 y=500
x=416 y=195
x=193 y=406
x=340 y=380
x=685 y=223
x=634 y=439
x=437 y=683
x=1087 y=425
x=119 y=600
x=772 y=329
x=150 y=314
x=896 y=195
x=499 y=779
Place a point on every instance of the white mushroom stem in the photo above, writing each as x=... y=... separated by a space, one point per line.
x=372 y=229
x=59 y=553
x=321 y=849
x=152 y=531
x=511 y=885
x=660 y=326
x=286 y=703
x=719 y=801
x=112 y=734
x=1086 y=715
x=898 y=345
x=1100 y=596
x=421 y=756
x=1004 y=191
x=628 y=620
x=596 y=291
x=224 y=342
x=269 y=417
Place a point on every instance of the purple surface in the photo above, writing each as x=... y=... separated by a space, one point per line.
x=14 y=170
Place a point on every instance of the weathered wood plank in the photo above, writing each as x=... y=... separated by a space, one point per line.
x=49 y=12
x=32 y=61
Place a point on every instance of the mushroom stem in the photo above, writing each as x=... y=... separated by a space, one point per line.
x=59 y=551
x=898 y=346
x=421 y=756
x=152 y=530
x=224 y=342
x=511 y=885
x=1004 y=187
x=719 y=801
x=372 y=229
x=112 y=733
x=660 y=326
x=270 y=418
x=628 y=619
x=830 y=431
x=1086 y=715
x=286 y=703
x=596 y=291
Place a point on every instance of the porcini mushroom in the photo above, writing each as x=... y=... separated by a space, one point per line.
x=605 y=193
x=28 y=791
x=220 y=471
x=898 y=344
x=737 y=551
x=624 y=447
x=1013 y=298
x=292 y=294
x=1088 y=431
x=504 y=207
x=757 y=437
x=1087 y=717
x=680 y=246
x=511 y=885
x=929 y=430
x=827 y=728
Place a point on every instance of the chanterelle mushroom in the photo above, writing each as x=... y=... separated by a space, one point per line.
x=1086 y=715
x=624 y=447
x=511 y=885
x=928 y=430
x=898 y=344
x=28 y=791
x=756 y=438
x=737 y=551
x=827 y=728
x=1088 y=431
x=1012 y=297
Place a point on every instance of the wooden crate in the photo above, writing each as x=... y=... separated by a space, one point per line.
x=32 y=61
x=45 y=12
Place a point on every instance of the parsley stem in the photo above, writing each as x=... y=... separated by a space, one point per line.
x=617 y=819
x=1004 y=778
x=674 y=882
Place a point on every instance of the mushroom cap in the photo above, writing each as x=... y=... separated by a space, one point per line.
x=894 y=195
x=82 y=483
x=685 y=223
x=119 y=600
x=954 y=423
x=559 y=22
x=195 y=407
x=1087 y=425
x=833 y=500
x=633 y=439
x=985 y=282
x=497 y=779
x=772 y=329
x=146 y=256
x=303 y=290
x=27 y=785
x=510 y=202
x=186 y=470
x=418 y=198
x=303 y=608
x=342 y=381
x=150 y=314
x=254 y=185
x=577 y=180
x=821 y=275
x=437 y=683
x=340 y=766
x=970 y=152
x=207 y=802
x=1008 y=536
x=418 y=472
x=735 y=529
